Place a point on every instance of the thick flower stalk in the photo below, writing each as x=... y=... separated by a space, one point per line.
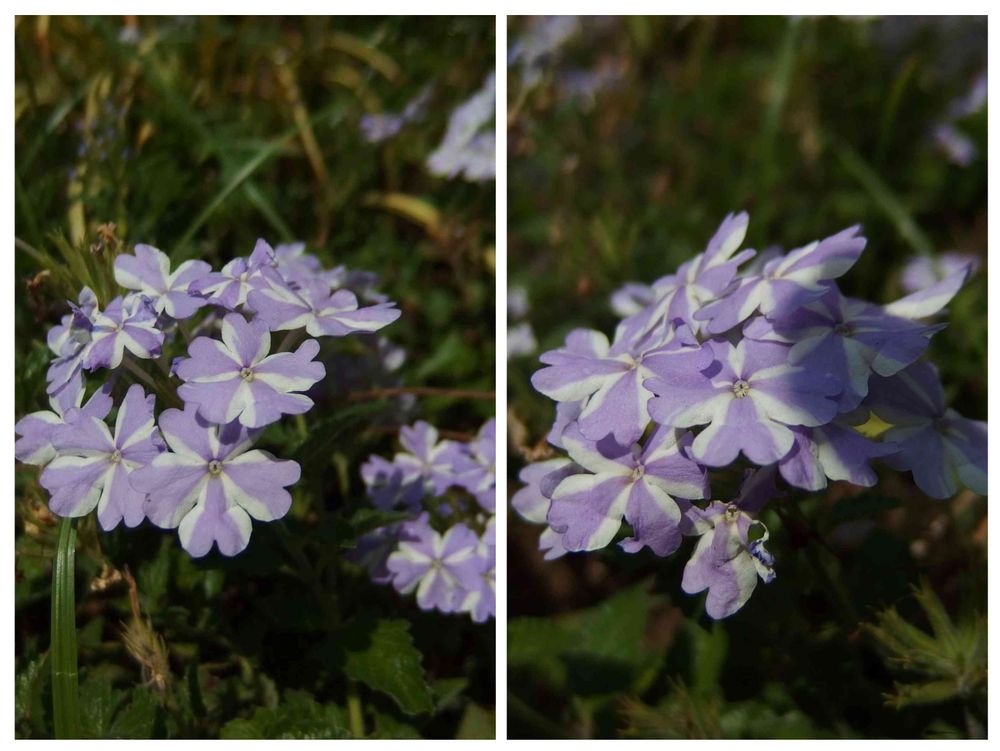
x=764 y=366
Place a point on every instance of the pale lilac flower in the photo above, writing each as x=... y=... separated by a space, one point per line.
x=610 y=378
x=36 y=429
x=236 y=379
x=544 y=35
x=697 y=282
x=480 y=601
x=941 y=448
x=426 y=458
x=295 y=266
x=69 y=341
x=956 y=145
x=320 y=311
x=533 y=500
x=469 y=145
x=725 y=561
x=831 y=451
x=127 y=323
x=921 y=272
x=748 y=398
x=384 y=125
x=372 y=552
x=229 y=288
x=847 y=339
x=631 y=298
x=386 y=486
x=210 y=484
x=437 y=566
x=475 y=468
x=93 y=467
x=521 y=340
x=148 y=272
x=647 y=485
x=786 y=283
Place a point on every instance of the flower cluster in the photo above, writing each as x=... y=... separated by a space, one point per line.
x=193 y=468
x=445 y=548
x=765 y=359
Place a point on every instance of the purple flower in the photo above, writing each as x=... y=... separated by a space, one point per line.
x=236 y=379
x=786 y=283
x=320 y=311
x=427 y=459
x=386 y=487
x=480 y=601
x=610 y=379
x=847 y=339
x=645 y=484
x=148 y=272
x=93 y=467
x=631 y=298
x=725 y=561
x=521 y=340
x=696 y=283
x=229 y=288
x=921 y=272
x=36 y=429
x=748 y=397
x=939 y=446
x=439 y=567
x=475 y=468
x=69 y=341
x=296 y=266
x=383 y=126
x=127 y=323
x=210 y=484
x=533 y=500
x=469 y=145
x=373 y=550
x=832 y=451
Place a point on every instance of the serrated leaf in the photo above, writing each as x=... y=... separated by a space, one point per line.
x=137 y=719
x=381 y=655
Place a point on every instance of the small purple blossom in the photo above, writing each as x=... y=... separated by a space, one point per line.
x=148 y=272
x=438 y=567
x=210 y=484
x=725 y=561
x=319 y=310
x=37 y=429
x=93 y=467
x=469 y=146
x=229 y=288
x=127 y=323
x=236 y=379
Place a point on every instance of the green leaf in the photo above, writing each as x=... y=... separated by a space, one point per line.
x=477 y=723
x=381 y=655
x=298 y=717
x=138 y=719
x=99 y=701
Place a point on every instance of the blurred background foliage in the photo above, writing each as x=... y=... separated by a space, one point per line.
x=629 y=140
x=198 y=135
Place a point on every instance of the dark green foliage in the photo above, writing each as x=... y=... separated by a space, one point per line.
x=811 y=125
x=198 y=136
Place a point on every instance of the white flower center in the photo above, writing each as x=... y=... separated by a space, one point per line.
x=843 y=329
x=116 y=456
x=215 y=467
x=741 y=389
x=732 y=512
x=246 y=374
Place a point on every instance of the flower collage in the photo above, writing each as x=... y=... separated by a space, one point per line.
x=372 y=384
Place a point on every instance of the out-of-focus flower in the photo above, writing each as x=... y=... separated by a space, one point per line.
x=543 y=37
x=921 y=272
x=469 y=145
x=385 y=125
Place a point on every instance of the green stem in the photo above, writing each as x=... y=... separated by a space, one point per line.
x=291 y=339
x=65 y=698
x=354 y=713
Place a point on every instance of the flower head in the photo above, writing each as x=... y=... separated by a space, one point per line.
x=229 y=288
x=37 y=429
x=93 y=466
x=127 y=323
x=236 y=379
x=210 y=484
x=319 y=310
x=148 y=272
